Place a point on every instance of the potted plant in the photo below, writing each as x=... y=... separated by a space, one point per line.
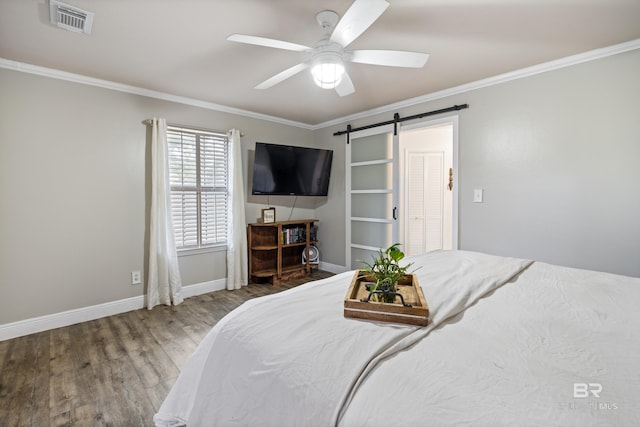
x=386 y=272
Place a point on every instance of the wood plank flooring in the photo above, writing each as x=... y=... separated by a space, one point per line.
x=114 y=371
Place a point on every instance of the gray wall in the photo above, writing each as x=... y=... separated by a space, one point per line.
x=74 y=191
x=558 y=157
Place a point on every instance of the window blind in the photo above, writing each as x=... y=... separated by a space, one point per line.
x=198 y=163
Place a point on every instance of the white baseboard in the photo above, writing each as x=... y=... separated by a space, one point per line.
x=70 y=317
x=85 y=314
x=332 y=268
x=79 y=315
x=204 y=288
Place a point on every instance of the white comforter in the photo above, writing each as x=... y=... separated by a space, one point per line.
x=509 y=359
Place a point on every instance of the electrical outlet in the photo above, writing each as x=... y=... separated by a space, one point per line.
x=135 y=278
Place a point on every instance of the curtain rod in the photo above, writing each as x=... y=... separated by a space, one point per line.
x=148 y=122
x=397 y=119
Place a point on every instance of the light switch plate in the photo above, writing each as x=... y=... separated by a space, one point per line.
x=477 y=195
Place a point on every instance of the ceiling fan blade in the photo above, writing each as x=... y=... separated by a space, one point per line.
x=392 y=58
x=357 y=19
x=346 y=86
x=262 y=41
x=289 y=72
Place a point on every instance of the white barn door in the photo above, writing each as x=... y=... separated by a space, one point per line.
x=371 y=194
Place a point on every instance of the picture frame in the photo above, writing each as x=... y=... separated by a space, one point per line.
x=268 y=215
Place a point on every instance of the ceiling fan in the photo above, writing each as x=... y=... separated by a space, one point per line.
x=327 y=56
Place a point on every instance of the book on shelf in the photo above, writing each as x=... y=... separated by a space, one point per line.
x=294 y=235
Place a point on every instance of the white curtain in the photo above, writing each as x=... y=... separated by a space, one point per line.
x=237 y=265
x=164 y=285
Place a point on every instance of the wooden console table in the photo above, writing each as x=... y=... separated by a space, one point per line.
x=275 y=250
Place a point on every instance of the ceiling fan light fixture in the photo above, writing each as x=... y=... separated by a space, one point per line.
x=327 y=57
x=327 y=70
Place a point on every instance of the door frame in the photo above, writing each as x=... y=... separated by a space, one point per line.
x=453 y=120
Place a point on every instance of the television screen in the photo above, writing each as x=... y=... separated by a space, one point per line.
x=288 y=170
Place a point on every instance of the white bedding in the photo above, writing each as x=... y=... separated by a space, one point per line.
x=513 y=359
x=492 y=354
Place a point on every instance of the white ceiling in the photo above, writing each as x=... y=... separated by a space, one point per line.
x=179 y=47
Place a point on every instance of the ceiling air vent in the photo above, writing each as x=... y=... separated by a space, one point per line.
x=70 y=17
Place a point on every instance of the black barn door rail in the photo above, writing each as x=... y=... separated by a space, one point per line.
x=397 y=119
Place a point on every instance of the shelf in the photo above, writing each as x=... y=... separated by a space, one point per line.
x=265 y=273
x=285 y=223
x=270 y=259
x=372 y=162
x=381 y=220
x=264 y=247
x=291 y=268
x=373 y=191
x=311 y=242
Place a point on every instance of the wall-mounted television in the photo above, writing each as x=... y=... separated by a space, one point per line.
x=291 y=171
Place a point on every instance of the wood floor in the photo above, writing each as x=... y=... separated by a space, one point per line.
x=114 y=371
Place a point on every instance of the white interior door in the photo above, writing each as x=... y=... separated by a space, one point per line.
x=424 y=215
x=371 y=194
x=428 y=214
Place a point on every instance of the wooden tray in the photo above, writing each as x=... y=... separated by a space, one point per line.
x=417 y=314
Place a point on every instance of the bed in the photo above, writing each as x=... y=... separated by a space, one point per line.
x=510 y=343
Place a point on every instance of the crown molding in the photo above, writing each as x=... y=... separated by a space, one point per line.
x=467 y=87
x=135 y=90
x=492 y=81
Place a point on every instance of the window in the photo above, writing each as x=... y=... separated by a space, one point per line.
x=198 y=178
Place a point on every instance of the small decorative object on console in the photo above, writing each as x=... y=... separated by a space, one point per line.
x=268 y=215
